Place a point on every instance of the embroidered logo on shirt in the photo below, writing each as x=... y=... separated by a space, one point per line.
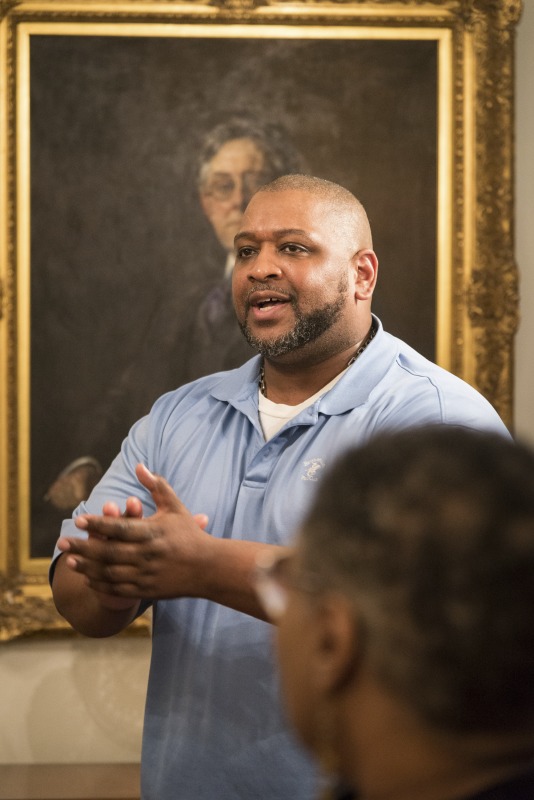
x=311 y=469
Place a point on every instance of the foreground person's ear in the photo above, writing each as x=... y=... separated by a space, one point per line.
x=336 y=651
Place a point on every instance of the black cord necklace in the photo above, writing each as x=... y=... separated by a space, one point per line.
x=366 y=342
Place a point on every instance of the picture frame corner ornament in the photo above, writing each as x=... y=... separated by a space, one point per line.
x=23 y=615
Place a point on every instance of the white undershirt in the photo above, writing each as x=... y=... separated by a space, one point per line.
x=273 y=416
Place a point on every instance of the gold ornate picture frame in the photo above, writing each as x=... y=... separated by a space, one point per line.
x=409 y=104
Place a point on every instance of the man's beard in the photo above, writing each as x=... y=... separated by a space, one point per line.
x=307 y=328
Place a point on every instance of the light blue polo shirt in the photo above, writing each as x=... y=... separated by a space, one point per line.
x=213 y=726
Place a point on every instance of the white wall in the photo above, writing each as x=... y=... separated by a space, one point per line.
x=72 y=700
x=64 y=700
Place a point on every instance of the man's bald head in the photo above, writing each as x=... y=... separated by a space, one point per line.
x=343 y=204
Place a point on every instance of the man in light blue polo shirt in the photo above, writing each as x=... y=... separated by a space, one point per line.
x=244 y=450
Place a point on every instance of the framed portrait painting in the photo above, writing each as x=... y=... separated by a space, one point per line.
x=115 y=250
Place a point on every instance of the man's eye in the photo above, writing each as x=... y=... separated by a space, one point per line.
x=290 y=247
x=245 y=252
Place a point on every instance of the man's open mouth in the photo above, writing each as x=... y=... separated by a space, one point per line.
x=271 y=301
x=264 y=300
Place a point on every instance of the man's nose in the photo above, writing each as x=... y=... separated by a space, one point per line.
x=265 y=265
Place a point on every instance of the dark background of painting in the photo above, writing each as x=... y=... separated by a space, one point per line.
x=120 y=252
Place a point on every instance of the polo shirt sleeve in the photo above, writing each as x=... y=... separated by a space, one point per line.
x=117 y=485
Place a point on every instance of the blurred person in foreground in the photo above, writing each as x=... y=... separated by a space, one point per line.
x=405 y=627
x=245 y=448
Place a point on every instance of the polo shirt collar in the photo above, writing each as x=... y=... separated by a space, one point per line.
x=239 y=387
x=363 y=376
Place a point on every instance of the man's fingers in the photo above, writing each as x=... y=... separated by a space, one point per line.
x=111 y=509
x=106 y=551
x=123 y=529
x=134 y=507
x=201 y=520
x=145 y=477
x=162 y=493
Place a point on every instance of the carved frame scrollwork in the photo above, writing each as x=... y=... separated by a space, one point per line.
x=477 y=280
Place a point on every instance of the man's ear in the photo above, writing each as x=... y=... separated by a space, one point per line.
x=366 y=269
x=337 y=650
